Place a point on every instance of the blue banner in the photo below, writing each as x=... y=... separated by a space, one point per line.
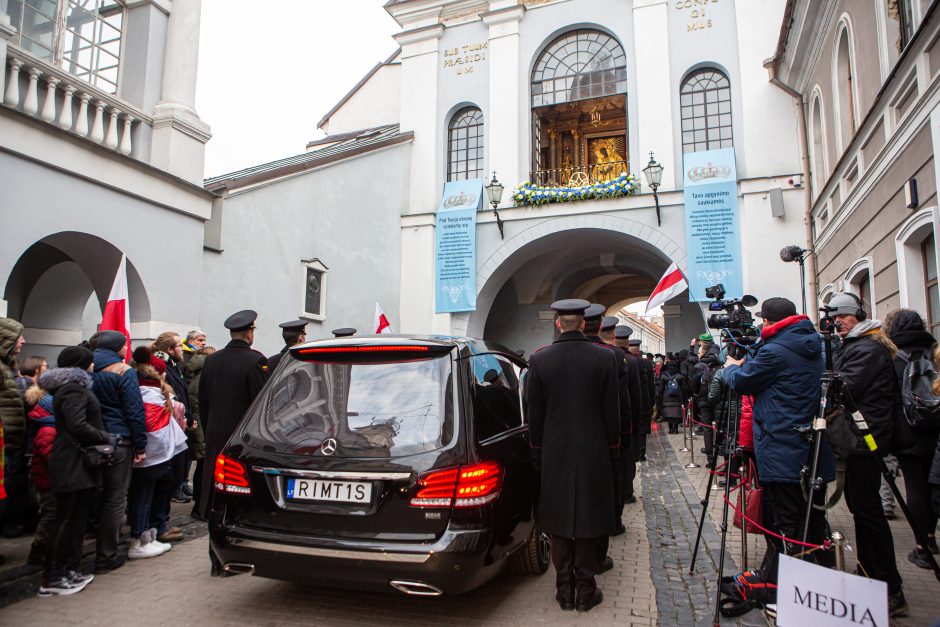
x=455 y=271
x=712 y=232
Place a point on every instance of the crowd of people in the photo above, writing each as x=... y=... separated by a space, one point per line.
x=94 y=443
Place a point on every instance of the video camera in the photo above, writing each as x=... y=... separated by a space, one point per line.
x=736 y=321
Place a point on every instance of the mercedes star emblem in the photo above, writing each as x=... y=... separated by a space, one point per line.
x=328 y=447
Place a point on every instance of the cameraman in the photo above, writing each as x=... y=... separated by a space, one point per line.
x=784 y=377
x=865 y=360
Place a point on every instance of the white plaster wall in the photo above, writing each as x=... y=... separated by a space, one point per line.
x=347 y=215
x=376 y=103
x=165 y=246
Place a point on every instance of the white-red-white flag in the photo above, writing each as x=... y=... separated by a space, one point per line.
x=671 y=285
x=380 y=322
x=117 y=311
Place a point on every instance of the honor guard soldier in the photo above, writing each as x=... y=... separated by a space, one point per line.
x=231 y=379
x=629 y=425
x=647 y=380
x=344 y=332
x=622 y=335
x=574 y=416
x=593 y=323
x=294 y=333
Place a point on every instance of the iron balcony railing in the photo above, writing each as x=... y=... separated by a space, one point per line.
x=577 y=176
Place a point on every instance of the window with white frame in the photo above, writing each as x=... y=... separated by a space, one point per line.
x=82 y=37
x=859 y=280
x=916 y=248
x=845 y=88
x=314 y=290
x=817 y=162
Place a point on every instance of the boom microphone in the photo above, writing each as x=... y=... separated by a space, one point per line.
x=792 y=253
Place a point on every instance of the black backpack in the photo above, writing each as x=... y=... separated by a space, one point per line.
x=921 y=406
x=671 y=387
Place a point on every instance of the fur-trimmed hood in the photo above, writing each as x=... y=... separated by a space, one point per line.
x=57 y=377
x=34 y=394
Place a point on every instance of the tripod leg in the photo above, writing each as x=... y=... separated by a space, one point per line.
x=704 y=503
x=724 y=538
x=918 y=533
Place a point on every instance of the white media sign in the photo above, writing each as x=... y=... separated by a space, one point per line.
x=808 y=594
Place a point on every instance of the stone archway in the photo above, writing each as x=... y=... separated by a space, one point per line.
x=59 y=285
x=567 y=256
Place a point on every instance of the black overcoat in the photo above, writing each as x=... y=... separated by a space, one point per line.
x=623 y=382
x=574 y=413
x=231 y=379
x=636 y=389
x=78 y=424
x=649 y=377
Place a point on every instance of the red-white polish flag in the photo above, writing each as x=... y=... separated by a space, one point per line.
x=380 y=322
x=117 y=312
x=671 y=285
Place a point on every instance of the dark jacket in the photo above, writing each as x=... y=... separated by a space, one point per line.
x=910 y=336
x=12 y=412
x=671 y=405
x=647 y=389
x=866 y=364
x=195 y=438
x=122 y=408
x=231 y=380
x=785 y=379
x=633 y=387
x=175 y=379
x=572 y=394
x=702 y=374
x=275 y=359
x=623 y=385
x=78 y=424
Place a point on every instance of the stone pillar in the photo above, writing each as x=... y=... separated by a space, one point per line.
x=419 y=114
x=504 y=133
x=179 y=136
x=653 y=91
x=6 y=32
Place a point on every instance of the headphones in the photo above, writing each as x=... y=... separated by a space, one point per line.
x=860 y=312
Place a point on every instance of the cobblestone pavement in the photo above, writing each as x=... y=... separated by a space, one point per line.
x=921 y=588
x=176 y=589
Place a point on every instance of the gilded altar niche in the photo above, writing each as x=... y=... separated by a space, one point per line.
x=580 y=142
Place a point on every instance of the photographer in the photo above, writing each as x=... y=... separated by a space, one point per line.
x=865 y=361
x=784 y=377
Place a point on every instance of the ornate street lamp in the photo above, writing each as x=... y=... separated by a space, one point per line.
x=494 y=191
x=654 y=176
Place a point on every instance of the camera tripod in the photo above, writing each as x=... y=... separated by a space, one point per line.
x=833 y=394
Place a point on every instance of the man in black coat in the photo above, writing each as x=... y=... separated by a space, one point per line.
x=574 y=415
x=648 y=377
x=294 y=333
x=629 y=424
x=231 y=379
x=866 y=363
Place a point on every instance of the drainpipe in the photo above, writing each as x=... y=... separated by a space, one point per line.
x=771 y=66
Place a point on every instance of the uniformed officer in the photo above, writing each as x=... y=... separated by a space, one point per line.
x=294 y=333
x=344 y=332
x=622 y=335
x=609 y=327
x=649 y=377
x=573 y=400
x=231 y=379
x=593 y=322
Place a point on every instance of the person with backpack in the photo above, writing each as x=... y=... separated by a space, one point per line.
x=709 y=362
x=915 y=371
x=674 y=394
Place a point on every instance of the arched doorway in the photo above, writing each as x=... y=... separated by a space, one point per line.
x=59 y=286
x=614 y=261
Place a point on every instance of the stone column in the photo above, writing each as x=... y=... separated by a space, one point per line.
x=504 y=132
x=179 y=136
x=653 y=90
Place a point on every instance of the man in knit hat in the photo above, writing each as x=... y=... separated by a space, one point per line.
x=122 y=413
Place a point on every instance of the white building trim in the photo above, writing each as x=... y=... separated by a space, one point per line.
x=907 y=244
x=844 y=25
x=851 y=282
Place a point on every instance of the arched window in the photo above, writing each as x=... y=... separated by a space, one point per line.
x=845 y=88
x=465 y=145
x=705 y=98
x=818 y=159
x=579 y=108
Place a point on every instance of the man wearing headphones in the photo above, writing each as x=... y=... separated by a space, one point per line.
x=865 y=361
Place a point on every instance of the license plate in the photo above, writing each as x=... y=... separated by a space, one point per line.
x=331 y=491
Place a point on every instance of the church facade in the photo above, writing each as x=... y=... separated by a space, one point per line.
x=554 y=94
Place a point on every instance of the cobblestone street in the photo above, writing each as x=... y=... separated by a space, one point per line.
x=649 y=584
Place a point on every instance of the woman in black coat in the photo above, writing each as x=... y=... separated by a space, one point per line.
x=78 y=425
x=672 y=404
x=906 y=329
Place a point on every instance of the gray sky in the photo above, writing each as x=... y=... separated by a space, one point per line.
x=266 y=77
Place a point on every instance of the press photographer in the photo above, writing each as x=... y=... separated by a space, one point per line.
x=784 y=377
x=865 y=362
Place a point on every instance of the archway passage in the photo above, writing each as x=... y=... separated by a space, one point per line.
x=59 y=286
x=604 y=266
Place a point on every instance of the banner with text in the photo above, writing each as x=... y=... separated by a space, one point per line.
x=455 y=271
x=711 y=223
